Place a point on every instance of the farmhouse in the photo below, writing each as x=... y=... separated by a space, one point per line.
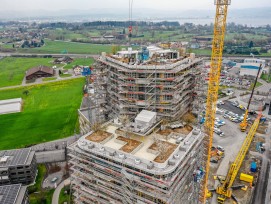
x=65 y=59
x=40 y=71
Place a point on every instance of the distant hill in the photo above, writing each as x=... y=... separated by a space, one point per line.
x=122 y=14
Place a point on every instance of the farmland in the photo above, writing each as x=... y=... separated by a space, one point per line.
x=49 y=113
x=58 y=47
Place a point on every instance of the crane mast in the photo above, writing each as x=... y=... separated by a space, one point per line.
x=216 y=62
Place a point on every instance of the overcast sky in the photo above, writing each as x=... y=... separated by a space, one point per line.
x=22 y=5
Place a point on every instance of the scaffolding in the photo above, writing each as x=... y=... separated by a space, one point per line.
x=165 y=89
x=99 y=177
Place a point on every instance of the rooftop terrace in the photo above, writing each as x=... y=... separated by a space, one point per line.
x=155 y=151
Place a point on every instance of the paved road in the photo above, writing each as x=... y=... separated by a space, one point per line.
x=57 y=192
x=206 y=57
x=232 y=133
x=14 y=54
x=265 y=86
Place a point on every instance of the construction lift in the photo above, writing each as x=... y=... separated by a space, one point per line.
x=243 y=124
x=224 y=190
x=214 y=77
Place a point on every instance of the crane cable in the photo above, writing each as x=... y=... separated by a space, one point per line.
x=130 y=15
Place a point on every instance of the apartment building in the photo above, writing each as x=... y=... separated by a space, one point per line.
x=17 y=166
x=116 y=166
x=14 y=194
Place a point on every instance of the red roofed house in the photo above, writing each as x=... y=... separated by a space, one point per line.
x=40 y=71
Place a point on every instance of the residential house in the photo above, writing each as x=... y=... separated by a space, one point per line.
x=63 y=60
x=78 y=70
x=38 y=72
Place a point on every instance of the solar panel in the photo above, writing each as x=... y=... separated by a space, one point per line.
x=8 y=194
x=14 y=157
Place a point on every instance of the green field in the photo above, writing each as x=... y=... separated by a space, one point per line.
x=257 y=85
x=64 y=197
x=49 y=113
x=80 y=61
x=65 y=75
x=201 y=51
x=12 y=70
x=58 y=47
x=266 y=77
x=49 y=79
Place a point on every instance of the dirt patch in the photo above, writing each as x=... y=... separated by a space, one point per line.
x=262 y=129
x=165 y=132
x=98 y=136
x=165 y=149
x=131 y=144
x=185 y=130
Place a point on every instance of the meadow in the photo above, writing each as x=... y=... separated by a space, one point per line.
x=12 y=70
x=49 y=113
x=62 y=47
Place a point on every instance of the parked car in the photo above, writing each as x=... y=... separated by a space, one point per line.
x=220 y=148
x=54 y=179
x=235 y=103
x=214 y=161
x=221 y=122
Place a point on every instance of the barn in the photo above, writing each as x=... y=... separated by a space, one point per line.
x=40 y=71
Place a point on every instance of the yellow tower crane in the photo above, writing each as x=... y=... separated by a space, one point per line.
x=224 y=190
x=216 y=62
x=243 y=124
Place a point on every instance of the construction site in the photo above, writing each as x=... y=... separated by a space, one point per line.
x=110 y=167
x=152 y=130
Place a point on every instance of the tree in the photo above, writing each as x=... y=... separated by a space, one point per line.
x=152 y=33
x=26 y=92
x=251 y=44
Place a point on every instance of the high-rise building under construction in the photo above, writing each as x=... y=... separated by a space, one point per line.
x=141 y=159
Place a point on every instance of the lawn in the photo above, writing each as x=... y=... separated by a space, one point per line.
x=64 y=197
x=58 y=47
x=202 y=51
x=80 y=61
x=49 y=79
x=12 y=70
x=257 y=85
x=49 y=113
x=266 y=77
x=65 y=75
x=41 y=195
